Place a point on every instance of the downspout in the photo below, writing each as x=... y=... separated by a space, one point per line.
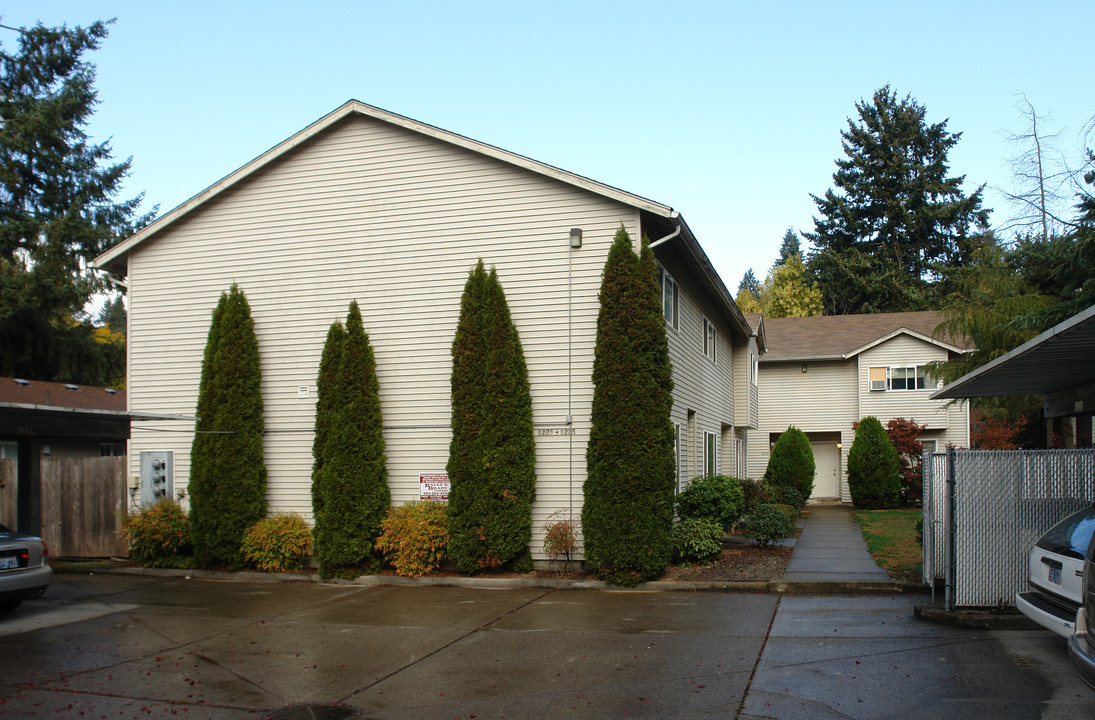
x=667 y=238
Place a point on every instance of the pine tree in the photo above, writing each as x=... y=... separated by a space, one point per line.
x=788 y=293
x=492 y=454
x=351 y=477
x=627 y=513
x=898 y=219
x=789 y=248
x=57 y=208
x=227 y=484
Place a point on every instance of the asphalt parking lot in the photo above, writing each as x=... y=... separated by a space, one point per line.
x=117 y=646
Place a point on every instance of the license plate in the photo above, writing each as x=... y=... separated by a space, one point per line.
x=1055 y=575
x=7 y=563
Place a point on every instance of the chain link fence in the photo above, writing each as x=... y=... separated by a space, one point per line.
x=985 y=509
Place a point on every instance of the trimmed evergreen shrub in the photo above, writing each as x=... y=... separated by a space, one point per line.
x=227 y=485
x=785 y=495
x=791 y=463
x=326 y=404
x=754 y=492
x=714 y=497
x=767 y=523
x=414 y=536
x=351 y=482
x=492 y=454
x=627 y=514
x=159 y=536
x=697 y=540
x=277 y=544
x=873 y=478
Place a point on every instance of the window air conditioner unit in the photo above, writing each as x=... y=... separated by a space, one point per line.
x=878 y=384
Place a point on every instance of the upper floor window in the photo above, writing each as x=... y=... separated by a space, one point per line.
x=907 y=377
x=670 y=296
x=709 y=339
x=754 y=368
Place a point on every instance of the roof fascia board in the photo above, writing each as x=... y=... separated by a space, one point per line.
x=802 y=358
x=904 y=331
x=93 y=412
x=357 y=107
x=954 y=390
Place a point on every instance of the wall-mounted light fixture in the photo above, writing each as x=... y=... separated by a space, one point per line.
x=803 y=367
x=839 y=445
x=576 y=237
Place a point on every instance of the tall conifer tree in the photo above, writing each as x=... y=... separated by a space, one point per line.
x=351 y=478
x=227 y=484
x=326 y=388
x=492 y=454
x=628 y=510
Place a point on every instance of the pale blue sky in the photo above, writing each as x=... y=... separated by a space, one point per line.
x=729 y=112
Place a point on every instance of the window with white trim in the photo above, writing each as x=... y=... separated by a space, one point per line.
x=709 y=339
x=670 y=296
x=710 y=454
x=754 y=368
x=901 y=377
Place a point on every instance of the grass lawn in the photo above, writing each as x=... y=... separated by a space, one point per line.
x=891 y=538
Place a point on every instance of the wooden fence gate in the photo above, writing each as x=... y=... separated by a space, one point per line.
x=83 y=500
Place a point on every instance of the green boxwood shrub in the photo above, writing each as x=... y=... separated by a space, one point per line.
x=159 y=536
x=791 y=463
x=715 y=497
x=697 y=540
x=873 y=468
x=767 y=523
x=278 y=544
x=627 y=514
x=413 y=537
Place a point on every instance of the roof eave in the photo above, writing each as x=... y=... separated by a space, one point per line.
x=114 y=258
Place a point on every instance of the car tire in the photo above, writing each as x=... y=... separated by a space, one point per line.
x=9 y=605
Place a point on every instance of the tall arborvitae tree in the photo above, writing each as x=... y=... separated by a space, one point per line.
x=227 y=484
x=896 y=219
x=326 y=410
x=627 y=514
x=492 y=455
x=58 y=207
x=351 y=479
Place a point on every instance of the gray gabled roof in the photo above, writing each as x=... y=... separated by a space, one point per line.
x=838 y=337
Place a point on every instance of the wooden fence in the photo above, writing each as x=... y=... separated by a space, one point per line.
x=83 y=500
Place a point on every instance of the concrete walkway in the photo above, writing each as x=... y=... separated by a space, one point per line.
x=831 y=549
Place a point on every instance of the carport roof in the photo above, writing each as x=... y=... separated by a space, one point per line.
x=1058 y=359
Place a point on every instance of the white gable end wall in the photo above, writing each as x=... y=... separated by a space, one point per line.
x=395 y=220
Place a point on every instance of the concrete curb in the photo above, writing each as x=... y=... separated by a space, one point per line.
x=975 y=619
x=775 y=587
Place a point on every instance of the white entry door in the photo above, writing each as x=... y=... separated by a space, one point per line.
x=826 y=470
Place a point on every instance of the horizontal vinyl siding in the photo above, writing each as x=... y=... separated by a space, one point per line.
x=395 y=220
x=699 y=385
x=913 y=404
x=818 y=400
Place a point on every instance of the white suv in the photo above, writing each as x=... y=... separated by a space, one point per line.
x=1056 y=573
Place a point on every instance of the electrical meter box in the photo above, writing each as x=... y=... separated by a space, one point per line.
x=157 y=476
